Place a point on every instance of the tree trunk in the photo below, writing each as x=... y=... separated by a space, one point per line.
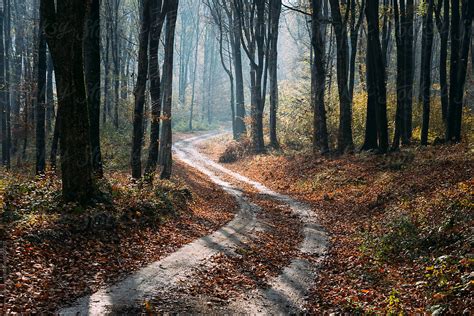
x=273 y=70
x=106 y=111
x=50 y=114
x=210 y=82
x=116 y=60
x=166 y=133
x=157 y=17
x=193 y=92
x=239 y=79
x=92 y=76
x=376 y=136
x=67 y=54
x=256 y=75
x=443 y=62
x=318 y=80
x=55 y=144
x=20 y=9
x=345 y=142
x=459 y=61
x=41 y=102
x=400 y=37
x=410 y=72
x=354 y=36
x=3 y=93
x=7 y=30
x=140 y=89
x=426 y=53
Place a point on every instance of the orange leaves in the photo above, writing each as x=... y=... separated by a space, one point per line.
x=356 y=196
x=439 y=296
x=51 y=264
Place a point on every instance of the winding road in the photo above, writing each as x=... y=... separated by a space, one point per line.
x=285 y=294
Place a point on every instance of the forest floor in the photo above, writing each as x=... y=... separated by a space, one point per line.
x=263 y=261
x=400 y=225
x=55 y=255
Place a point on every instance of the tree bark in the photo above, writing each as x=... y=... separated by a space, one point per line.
x=410 y=72
x=460 y=42
x=116 y=60
x=165 y=155
x=106 y=111
x=442 y=24
x=41 y=102
x=426 y=53
x=345 y=142
x=195 y=64
x=239 y=78
x=3 y=93
x=356 y=22
x=8 y=40
x=157 y=17
x=92 y=76
x=273 y=69
x=55 y=144
x=67 y=53
x=20 y=9
x=318 y=80
x=253 y=31
x=376 y=136
x=400 y=37
x=50 y=114
x=140 y=89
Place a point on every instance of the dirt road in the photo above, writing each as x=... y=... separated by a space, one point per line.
x=284 y=293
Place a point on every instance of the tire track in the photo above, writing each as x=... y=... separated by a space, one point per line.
x=286 y=293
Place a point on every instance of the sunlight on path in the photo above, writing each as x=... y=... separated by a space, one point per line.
x=286 y=292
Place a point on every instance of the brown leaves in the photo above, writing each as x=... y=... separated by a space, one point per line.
x=356 y=196
x=258 y=259
x=47 y=271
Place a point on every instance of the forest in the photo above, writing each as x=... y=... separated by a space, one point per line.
x=254 y=157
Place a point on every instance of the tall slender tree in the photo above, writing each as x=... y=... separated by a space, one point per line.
x=461 y=31
x=274 y=23
x=339 y=21
x=236 y=42
x=442 y=24
x=140 y=90
x=92 y=76
x=157 y=18
x=356 y=22
x=3 y=93
x=318 y=79
x=376 y=132
x=253 y=31
x=195 y=65
x=41 y=101
x=426 y=59
x=50 y=114
x=165 y=155
x=8 y=40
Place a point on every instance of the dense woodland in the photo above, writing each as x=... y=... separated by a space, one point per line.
x=93 y=95
x=64 y=81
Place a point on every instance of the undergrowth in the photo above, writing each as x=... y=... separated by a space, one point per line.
x=236 y=150
x=38 y=201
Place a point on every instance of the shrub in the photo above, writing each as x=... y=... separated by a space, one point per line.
x=401 y=239
x=236 y=150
